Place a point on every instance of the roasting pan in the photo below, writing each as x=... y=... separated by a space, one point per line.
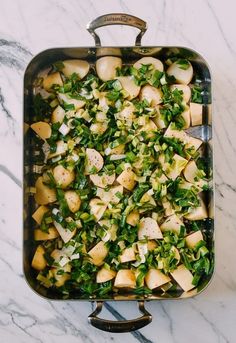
x=32 y=150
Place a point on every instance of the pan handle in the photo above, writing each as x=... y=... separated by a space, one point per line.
x=117 y=19
x=120 y=325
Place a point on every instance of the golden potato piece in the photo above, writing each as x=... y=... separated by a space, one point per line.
x=40 y=235
x=151 y=94
x=155 y=278
x=42 y=129
x=79 y=67
x=73 y=200
x=98 y=253
x=106 y=67
x=183 y=277
x=58 y=115
x=128 y=84
x=196 y=113
x=127 y=255
x=103 y=180
x=39 y=262
x=52 y=79
x=149 y=228
x=125 y=278
x=63 y=177
x=183 y=76
x=198 y=213
x=61 y=278
x=44 y=195
x=39 y=213
x=94 y=160
x=61 y=148
x=133 y=218
x=172 y=223
x=157 y=64
x=127 y=179
x=193 y=239
x=65 y=234
x=97 y=208
x=104 y=275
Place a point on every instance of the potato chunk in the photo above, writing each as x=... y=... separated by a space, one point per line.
x=79 y=67
x=42 y=129
x=149 y=228
x=39 y=213
x=103 y=180
x=125 y=278
x=185 y=89
x=63 y=176
x=106 y=67
x=94 y=160
x=52 y=79
x=65 y=234
x=98 y=253
x=196 y=112
x=133 y=218
x=104 y=275
x=97 y=208
x=58 y=115
x=183 y=76
x=198 y=213
x=127 y=255
x=151 y=94
x=193 y=239
x=172 y=223
x=73 y=200
x=157 y=64
x=183 y=277
x=39 y=262
x=155 y=278
x=127 y=179
x=128 y=84
x=40 y=235
x=44 y=195
x=61 y=278
x=61 y=148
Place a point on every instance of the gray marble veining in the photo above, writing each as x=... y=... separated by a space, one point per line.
x=26 y=28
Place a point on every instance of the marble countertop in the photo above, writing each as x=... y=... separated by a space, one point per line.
x=26 y=28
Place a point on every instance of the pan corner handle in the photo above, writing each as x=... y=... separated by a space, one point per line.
x=117 y=19
x=119 y=326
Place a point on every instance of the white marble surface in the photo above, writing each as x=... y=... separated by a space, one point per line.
x=27 y=27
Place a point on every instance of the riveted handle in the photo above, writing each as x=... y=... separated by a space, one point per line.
x=120 y=325
x=117 y=19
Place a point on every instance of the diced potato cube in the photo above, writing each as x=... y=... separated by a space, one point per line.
x=104 y=275
x=183 y=277
x=128 y=255
x=98 y=253
x=127 y=179
x=40 y=235
x=193 y=239
x=149 y=228
x=172 y=223
x=39 y=213
x=39 y=262
x=155 y=278
x=125 y=278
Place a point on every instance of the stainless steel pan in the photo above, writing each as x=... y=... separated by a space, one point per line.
x=32 y=152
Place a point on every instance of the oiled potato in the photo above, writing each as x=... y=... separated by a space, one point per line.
x=196 y=112
x=183 y=277
x=40 y=235
x=58 y=115
x=128 y=255
x=158 y=119
x=186 y=116
x=65 y=98
x=63 y=176
x=61 y=278
x=149 y=228
x=42 y=129
x=183 y=76
x=97 y=208
x=127 y=112
x=99 y=128
x=61 y=148
x=157 y=64
x=39 y=262
x=193 y=239
x=155 y=278
x=118 y=150
x=110 y=196
x=191 y=172
x=106 y=67
x=127 y=179
x=73 y=200
x=104 y=275
x=102 y=181
x=98 y=253
x=125 y=278
x=94 y=160
x=149 y=128
x=133 y=218
x=79 y=67
x=39 y=213
x=172 y=223
x=65 y=234
x=52 y=79
x=128 y=84
x=151 y=94
x=198 y=213
x=44 y=195
x=151 y=245
x=185 y=89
